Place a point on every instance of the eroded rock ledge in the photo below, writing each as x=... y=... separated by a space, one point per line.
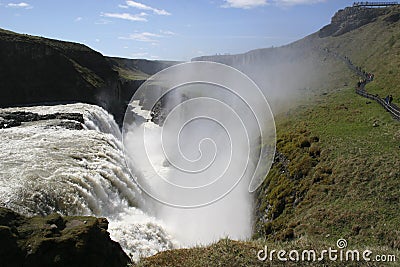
x=57 y=241
x=72 y=121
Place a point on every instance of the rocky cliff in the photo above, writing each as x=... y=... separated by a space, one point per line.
x=57 y=241
x=345 y=20
x=303 y=66
x=35 y=69
x=132 y=73
x=40 y=70
x=351 y=18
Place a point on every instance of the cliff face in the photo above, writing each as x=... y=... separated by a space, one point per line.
x=351 y=18
x=40 y=70
x=34 y=69
x=132 y=73
x=343 y=21
x=303 y=64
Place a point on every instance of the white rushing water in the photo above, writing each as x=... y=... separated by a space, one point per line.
x=46 y=168
x=205 y=147
x=230 y=216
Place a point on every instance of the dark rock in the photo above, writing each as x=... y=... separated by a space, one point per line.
x=21 y=116
x=351 y=18
x=393 y=18
x=72 y=121
x=305 y=143
x=278 y=208
x=70 y=116
x=284 y=162
x=157 y=114
x=9 y=251
x=71 y=125
x=57 y=241
x=8 y=123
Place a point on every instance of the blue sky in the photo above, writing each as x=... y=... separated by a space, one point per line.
x=170 y=29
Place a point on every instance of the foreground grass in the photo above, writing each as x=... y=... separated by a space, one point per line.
x=235 y=253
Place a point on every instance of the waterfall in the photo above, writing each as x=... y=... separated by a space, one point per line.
x=205 y=135
x=46 y=168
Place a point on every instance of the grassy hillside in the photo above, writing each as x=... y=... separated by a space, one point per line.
x=138 y=69
x=336 y=174
x=376 y=48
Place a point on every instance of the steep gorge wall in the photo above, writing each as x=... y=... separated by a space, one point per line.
x=40 y=70
x=36 y=69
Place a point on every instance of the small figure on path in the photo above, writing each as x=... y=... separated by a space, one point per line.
x=387 y=99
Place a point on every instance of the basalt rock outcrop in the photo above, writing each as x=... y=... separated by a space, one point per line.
x=57 y=241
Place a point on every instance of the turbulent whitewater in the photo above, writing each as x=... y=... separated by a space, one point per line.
x=46 y=168
x=206 y=139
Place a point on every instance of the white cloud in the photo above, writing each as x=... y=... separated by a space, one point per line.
x=103 y=22
x=123 y=6
x=78 y=19
x=142 y=37
x=145 y=7
x=245 y=4
x=134 y=55
x=297 y=2
x=20 y=5
x=148 y=37
x=127 y=16
x=167 y=33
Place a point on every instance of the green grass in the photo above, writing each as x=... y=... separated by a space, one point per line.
x=342 y=183
x=355 y=175
x=376 y=48
x=234 y=253
x=57 y=44
x=129 y=74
